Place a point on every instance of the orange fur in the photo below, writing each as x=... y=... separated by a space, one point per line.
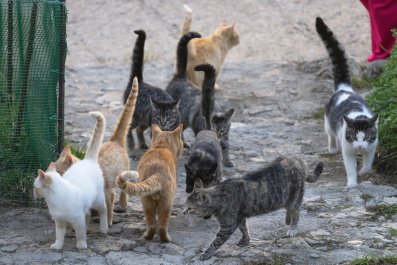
x=157 y=181
x=65 y=160
x=210 y=50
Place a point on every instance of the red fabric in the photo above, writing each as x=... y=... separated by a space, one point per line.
x=383 y=18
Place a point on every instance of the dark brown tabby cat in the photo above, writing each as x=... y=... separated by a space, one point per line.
x=279 y=184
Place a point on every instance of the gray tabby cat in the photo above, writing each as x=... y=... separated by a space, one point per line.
x=165 y=110
x=205 y=159
x=277 y=185
x=350 y=124
x=221 y=126
x=189 y=96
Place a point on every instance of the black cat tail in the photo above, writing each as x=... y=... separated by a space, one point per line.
x=336 y=53
x=207 y=92
x=136 y=62
x=315 y=175
x=181 y=53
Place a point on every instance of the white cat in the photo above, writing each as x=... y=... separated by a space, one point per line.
x=349 y=123
x=69 y=198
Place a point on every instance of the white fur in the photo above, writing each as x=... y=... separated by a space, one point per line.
x=344 y=87
x=188 y=10
x=333 y=144
x=342 y=98
x=69 y=199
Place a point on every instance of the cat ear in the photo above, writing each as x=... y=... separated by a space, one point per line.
x=198 y=185
x=375 y=120
x=155 y=131
x=52 y=167
x=66 y=150
x=153 y=104
x=69 y=159
x=41 y=174
x=179 y=130
x=233 y=26
x=230 y=113
x=348 y=120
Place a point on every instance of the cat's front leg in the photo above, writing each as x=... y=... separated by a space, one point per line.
x=60 y=229
x=350 y=162
x=224 y=233
x=81 y=233
x=368 y=159
x=245 y=239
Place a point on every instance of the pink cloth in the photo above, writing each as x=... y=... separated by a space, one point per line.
x=383 y=18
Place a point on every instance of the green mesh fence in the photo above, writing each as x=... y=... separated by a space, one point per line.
x=32 y=52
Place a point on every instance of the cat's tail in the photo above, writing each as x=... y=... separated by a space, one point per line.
x=147 y=187
x=136 y=62
x=181 y=53
x=97 y=136
x=315 y=174
x=123 y=124
x=187 y=22
x=207 y=92
x=340 y=67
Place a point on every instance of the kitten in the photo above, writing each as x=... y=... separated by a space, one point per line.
x=221 y=126
x=279 y=184
x=187 y=23
x=349 y=123
x=180 y=89
x=157 y=181
x=205 y=159
x=142 y=118
x=69 y=198
x=113 y=154
x=211 y=50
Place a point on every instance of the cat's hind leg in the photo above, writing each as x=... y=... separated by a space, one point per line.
x=130 y=139
x=109 y=198
x=368 y=159
x=245 y=239
x=225 y=231
x=149 y=208
x=81 y=232
x=141 y=138
x=60 y=229
x=294 y=218
x=164 y=214
x=332 y=140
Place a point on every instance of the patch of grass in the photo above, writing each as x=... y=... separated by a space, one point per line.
x=366 y=197
x=372 y=259
x=361 y=83
x=318 y=114
x=77 y=152
x=392 y=232
x=383 y=100
x=385 y=209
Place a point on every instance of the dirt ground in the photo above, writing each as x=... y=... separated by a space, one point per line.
x=277 y=79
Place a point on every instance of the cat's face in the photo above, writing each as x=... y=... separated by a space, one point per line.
x=165 y=114
x=173 y=139
x=221 y=123
x=200 y=201
x=44 y=181
x=65 y=160
x=230 y=33
x=361 y=131
x=205 y=172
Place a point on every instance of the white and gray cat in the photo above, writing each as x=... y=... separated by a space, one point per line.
x=70 y=198
x=350 y=124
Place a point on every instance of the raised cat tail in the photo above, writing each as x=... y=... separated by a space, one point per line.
x=181 y=53
x=340 y=67
x=315 y=175
x=147 y=187
x=207 y=92
x=97 y=136
x=123 y=124
x=187 y=23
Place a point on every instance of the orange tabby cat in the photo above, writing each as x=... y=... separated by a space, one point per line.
x=211 y=50
x=113 y=155
x=157 y=181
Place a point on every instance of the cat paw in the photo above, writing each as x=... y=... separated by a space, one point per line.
x=332 y=150
x=364 y=172
x=105 y=229
x=351 y=184
x=56 y=246
x=206 y=255
x=243 y=242
x=292 y=232
x=81 y=245
x=228 y=163
x=149 y=234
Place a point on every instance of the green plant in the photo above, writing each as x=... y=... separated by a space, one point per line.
x=366 y=197
x=372 y=259
x=385 y=209
x=361 y=83
x=392 y=232
x=318 y=114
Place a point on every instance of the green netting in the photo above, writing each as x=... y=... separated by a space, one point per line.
x=32 y=48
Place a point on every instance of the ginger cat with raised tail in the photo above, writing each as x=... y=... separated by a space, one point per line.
x=211 y=50
x=113 y=154
x=70 y=198
x=157 y=180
